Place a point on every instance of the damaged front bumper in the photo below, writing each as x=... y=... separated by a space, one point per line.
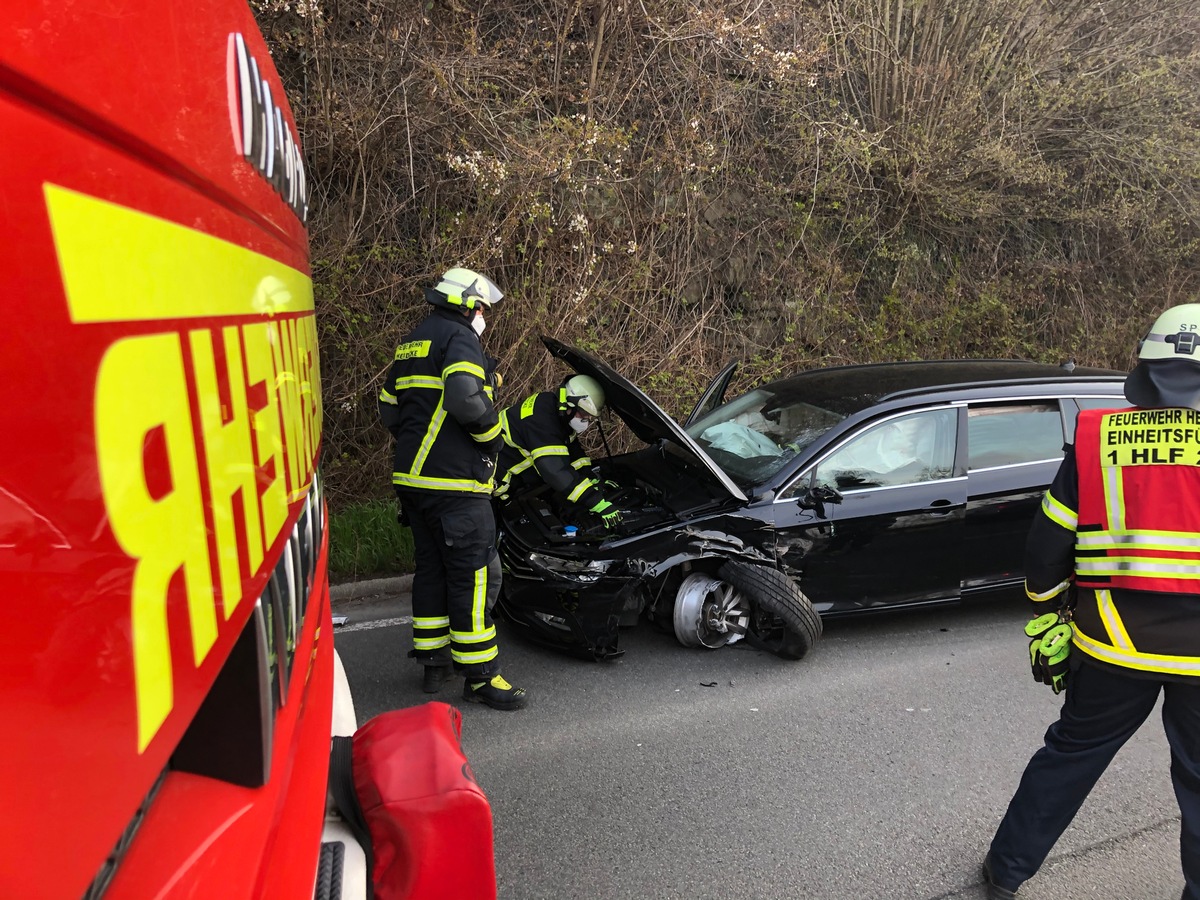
x=570 y=603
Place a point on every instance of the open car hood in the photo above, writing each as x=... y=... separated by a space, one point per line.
x=643 y=416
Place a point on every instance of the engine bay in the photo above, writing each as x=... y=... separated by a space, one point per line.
x=649 y=488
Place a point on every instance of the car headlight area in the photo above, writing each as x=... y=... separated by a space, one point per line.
x=584 y=571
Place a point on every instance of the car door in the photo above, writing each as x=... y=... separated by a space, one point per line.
x=1014 y=448
x=896 y=536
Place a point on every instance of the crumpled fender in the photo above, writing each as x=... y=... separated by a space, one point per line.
x=699 y=544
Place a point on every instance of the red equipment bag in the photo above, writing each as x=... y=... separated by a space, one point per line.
x=430 y=822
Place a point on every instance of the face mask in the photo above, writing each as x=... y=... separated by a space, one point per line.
x=478 y=324
x=579 y=426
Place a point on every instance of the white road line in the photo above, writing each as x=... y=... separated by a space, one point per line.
x=377 y=623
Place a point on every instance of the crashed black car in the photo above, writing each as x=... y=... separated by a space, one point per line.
x=834 y=492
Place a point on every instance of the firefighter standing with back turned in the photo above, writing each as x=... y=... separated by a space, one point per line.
x=437 y=403
x=541 y=441
x=1122 y=522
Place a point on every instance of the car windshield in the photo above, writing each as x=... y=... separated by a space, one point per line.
x=755 y=435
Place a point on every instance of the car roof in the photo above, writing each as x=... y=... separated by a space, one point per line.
x=850 y=389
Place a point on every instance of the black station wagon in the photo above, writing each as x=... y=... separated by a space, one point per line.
x=834 y=492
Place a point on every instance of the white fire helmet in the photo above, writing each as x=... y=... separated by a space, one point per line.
x=1168 y=369
x=582 y=392
x=465 y=289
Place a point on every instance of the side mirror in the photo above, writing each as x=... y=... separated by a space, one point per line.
x=817 y=496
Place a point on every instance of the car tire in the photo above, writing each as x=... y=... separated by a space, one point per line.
x=792 y=627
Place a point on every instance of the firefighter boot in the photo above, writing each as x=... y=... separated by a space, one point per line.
x=437 y=669
x=434 y=678
x=995 y=891
x=496 y=693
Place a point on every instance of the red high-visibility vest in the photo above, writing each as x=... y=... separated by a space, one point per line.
x=1139 y=500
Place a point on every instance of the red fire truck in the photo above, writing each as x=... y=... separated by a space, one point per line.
x=168 y=679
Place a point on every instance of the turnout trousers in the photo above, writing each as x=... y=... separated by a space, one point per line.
x=1102 y=710
x=456 y=580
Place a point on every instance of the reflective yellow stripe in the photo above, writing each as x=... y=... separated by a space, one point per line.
x=387 y=397
x=431 y=433
x=582 y=463
x=419 y=381
x=474 y=637
x=478 y=656
x=1138 y=540
x=430 y=483
x=171 y=272
x=431 y=643
x=1136 y=565
x=469 y=367
x=1114 y=498
x=479 y=599
x=1112 y=621
x=521 y=466
x=431 y=621
x=1131 y=659
x=484 y=436
x=549 y=450
x=1048 y=595
x=506 y=482
x=580 y=489
x=1058 y=513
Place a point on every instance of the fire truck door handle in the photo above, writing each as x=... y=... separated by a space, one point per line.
x=940 y=508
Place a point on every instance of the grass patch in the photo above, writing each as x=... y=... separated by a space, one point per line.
x=365 y=539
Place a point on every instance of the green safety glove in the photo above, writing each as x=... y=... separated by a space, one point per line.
x=609 y=514
x=1049 y=647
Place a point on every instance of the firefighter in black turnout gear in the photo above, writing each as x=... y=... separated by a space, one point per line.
x=438 y=404
x=1112 y=566
x=541 y=441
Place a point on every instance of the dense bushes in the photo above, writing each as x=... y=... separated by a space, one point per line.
x=670 y=184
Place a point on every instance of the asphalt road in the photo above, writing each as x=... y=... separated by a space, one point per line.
x=876 y=768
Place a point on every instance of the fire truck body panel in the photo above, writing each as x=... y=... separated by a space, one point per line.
x=170 y=96
x=162 y=540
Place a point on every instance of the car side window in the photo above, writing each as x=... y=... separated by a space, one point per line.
x=1013 y=433
x=902 y=450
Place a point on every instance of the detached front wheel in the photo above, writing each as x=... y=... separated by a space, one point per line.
x=746 y=600
x=709 y=612
x=782 y=620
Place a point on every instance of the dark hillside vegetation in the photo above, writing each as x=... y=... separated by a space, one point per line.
x=670 y=184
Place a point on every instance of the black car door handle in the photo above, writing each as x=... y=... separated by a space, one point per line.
x=940 y=508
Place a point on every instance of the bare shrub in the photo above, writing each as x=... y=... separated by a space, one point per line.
x=669 y=184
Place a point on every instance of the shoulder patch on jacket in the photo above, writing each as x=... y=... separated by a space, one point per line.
x=413 y=350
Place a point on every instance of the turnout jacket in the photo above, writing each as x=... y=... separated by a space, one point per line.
x=538 y=442
x=437 y=403
x=1123 y=518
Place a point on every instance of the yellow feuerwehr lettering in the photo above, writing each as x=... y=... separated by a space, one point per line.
x=120 y=265
x=159 y=533
x=232 y=480
x=309 y=392
x=287 y=396
x=268 y=438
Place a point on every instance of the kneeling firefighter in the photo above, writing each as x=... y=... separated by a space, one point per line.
x=437 y=403
x=1112 y=565
x=541 y=441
